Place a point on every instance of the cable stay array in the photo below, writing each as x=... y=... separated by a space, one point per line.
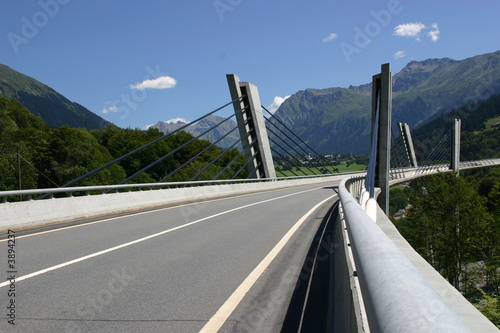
x=439 y=156
x=399 y=156
x=291 y=152
x=192 y=151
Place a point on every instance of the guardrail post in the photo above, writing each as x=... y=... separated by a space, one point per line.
x=404 y=130
x=252 y=127
x=455 y=144
x=382 y=101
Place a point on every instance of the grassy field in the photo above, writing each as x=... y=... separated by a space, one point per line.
x=301 y=171
x=492 y=122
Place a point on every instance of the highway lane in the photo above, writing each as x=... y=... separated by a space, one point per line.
x=164 y=270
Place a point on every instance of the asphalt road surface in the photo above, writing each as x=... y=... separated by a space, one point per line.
x=227 y=265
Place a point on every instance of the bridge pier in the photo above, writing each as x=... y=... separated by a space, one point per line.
x=252 y=128
x=382 y=105
x=455 y=144
x=404 y=130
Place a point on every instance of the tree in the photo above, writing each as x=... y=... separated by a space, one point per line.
x=72 y=152
x=447 y=224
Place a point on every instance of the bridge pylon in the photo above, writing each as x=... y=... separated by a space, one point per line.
x=381 y=126
x=252 y=127
x=455 y=144
x=404 y=130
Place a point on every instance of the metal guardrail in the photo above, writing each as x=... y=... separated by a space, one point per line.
x=103 y=189
x=396 y=296
x=28 y=194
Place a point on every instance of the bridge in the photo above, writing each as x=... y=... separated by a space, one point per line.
x=303 y=253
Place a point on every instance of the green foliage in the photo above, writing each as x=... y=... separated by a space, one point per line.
x=480 y=145
x=447 y=224
x=72 y=152
x=490 y=307
x=399 y=198
x=477 y=142
x=455 y=225
x=362 y=159
x=22 y=135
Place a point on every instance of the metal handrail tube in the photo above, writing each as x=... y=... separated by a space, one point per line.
x=396 y=296
x=148 y=186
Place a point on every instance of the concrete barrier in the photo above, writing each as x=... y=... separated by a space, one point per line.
x=39 y=212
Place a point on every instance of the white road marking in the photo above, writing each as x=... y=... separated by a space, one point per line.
x=221 y=316
x=74 y=261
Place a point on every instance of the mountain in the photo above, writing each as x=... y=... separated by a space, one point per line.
x=337 y=120
x=43 y=101
x=204 y=125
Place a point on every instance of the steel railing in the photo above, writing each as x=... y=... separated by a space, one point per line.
x=103 y=189
x=396 y=296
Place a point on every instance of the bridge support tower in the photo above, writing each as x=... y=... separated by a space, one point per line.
x=404 y=130
x=252 y=127
x=381 y=123
x=455 y=144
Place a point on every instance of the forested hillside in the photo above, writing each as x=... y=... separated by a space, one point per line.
x=43 y=101
x=454 y=223
x=32 y=155
x=480 y=131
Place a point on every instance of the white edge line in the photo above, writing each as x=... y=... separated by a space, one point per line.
x=92 y=255
x=221 y=316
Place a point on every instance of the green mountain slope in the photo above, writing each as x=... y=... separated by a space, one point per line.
x=337 y=120
x=480 y=137
x=45 y=102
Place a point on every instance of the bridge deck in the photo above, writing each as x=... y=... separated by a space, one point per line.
x=169 y=269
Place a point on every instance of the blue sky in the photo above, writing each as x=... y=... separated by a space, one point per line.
x=138 y=62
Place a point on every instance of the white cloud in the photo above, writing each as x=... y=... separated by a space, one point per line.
x=109 y=109
x=162 y=82
x=277 y=101
x=409 y=30
x=414 y=29
x=176 y=120
x=434 y=34
x=148 y=126
x=330 y=37
x=400 y=54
